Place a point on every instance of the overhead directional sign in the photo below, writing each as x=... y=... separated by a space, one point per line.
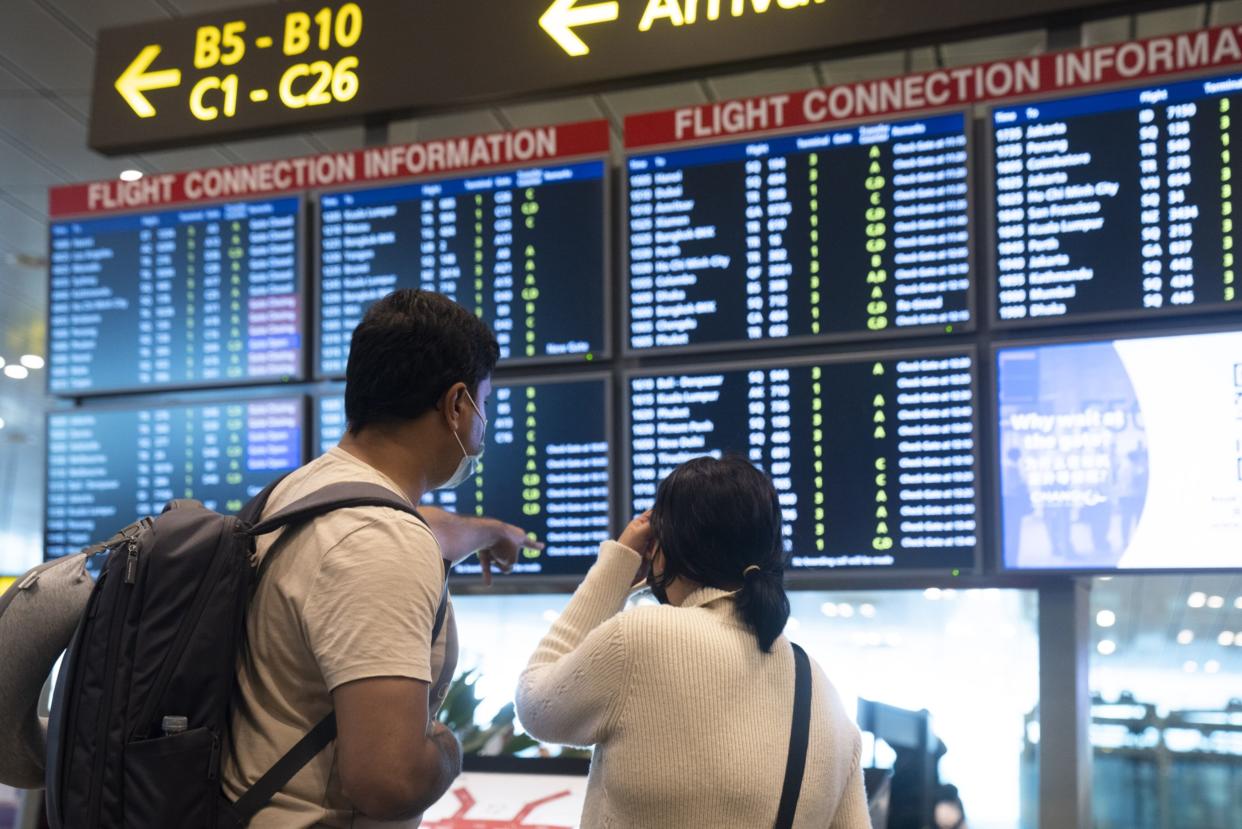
x=292 y=65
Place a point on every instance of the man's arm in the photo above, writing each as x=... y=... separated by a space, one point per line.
x=390 y=769
x=496 y=542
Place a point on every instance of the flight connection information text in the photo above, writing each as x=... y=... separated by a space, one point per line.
x=523 y=250
x=847 y=233
x=1117 y=204
x=545 y=469
x=207 y=296
x=874 y=460
x=109 y=468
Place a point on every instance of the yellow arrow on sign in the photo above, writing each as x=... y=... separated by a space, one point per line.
x=563 y=16
x=136 y=80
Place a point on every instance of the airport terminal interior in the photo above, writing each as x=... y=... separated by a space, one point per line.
x=965 y=290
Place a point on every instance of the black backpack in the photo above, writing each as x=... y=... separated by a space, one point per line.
x=142 y=702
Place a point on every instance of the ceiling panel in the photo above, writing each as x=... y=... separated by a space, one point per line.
x=751 y=84
x=984 y=49
x=175 y=161
x=20 y=233
x=443 y=126
x=93 y=15
x=1109 y=30
x=46 y=131
x=19 y=173
x=266 y=149
x=340 y=138
x=864 y=67
x=1226 y=11
x=654 y=98
x=1169 y=21
x=553 y=112
x=36 y=42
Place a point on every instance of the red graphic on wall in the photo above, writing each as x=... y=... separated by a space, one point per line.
x=466 y=802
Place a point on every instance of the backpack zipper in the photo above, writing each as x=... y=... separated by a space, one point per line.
x=188 y=623
x=101 y=735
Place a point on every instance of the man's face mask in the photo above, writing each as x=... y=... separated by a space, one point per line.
x=468 y=463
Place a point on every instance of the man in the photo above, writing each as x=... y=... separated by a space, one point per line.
x=343 y=618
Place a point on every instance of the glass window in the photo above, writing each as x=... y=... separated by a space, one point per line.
x=1166 y=680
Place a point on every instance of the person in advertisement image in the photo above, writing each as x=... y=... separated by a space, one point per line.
x=1122 y=454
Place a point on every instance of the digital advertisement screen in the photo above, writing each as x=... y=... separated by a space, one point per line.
x=107 y=468
x=857 y=232
x=524 y=250
x=546 y=468
x=874 y=458
x=201 y=296
x=1117 y=204
x=1122 y=454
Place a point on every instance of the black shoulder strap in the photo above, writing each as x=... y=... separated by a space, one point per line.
x=799 y=737
x=322 y=502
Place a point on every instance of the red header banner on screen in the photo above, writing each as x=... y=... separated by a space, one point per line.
x=961 y=86
x=534 y=146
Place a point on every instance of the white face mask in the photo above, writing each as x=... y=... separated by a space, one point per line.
x=468 y=463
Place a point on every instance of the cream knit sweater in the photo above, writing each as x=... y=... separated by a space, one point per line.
x=689 y=719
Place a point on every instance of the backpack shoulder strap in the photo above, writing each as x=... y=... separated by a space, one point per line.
x=330 y=499
x=799 y=737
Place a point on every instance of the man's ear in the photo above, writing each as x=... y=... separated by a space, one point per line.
x=453 y=402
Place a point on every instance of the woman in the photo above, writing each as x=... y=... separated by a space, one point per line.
x=689 y=705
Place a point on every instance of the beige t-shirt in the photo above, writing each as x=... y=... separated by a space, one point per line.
x=352 y=595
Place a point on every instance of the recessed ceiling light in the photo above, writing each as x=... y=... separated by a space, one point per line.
x=932 y=594
x=1 y=423
x=1225 y=639
x=846 y=610
x=1236 y=602
x=1185 y=637
x=867 y=610
x=1106 y=618
x=131 y=175
x=792 y=625
x=1216 y=602
x=1196 y=600
x=32 y=361
x=1211 y=666
x=1107 y=647
x=1190 y=667
x=15 y=372
x=2 y=366
x=829 y=609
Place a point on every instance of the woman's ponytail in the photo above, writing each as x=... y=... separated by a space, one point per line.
x=763 y=606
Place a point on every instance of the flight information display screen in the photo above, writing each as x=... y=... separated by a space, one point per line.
x=109 y=467
x=1122 y=454
x=524 y=250
x=1117 y=204
x=546 y=468
x=201 y=296
x=874 y=457
x=855 y=232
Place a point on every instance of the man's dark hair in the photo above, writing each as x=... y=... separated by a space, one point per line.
x=409 y=349
x=713 y=519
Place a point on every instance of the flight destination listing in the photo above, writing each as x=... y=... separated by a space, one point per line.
x=851 y=233
x=874 y=460
x=545 y=469
x=524 y=250
x=1117 y=204
x=177 y=298
x=108 y=468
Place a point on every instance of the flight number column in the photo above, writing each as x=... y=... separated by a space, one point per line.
x=768 y=268
x=1167 y=217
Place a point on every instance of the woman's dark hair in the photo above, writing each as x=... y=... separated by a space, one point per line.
x=409 y=349
x=714 y=520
